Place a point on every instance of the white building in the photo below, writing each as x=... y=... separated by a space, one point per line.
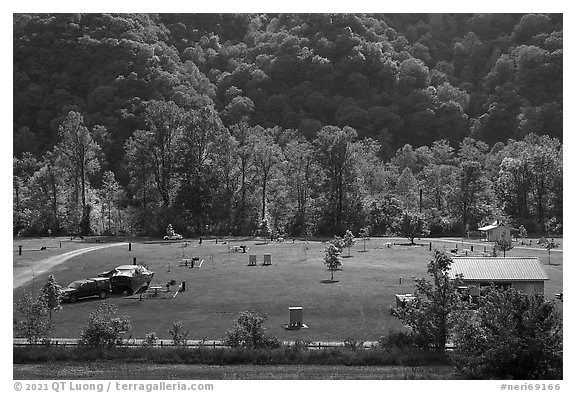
x=497 y=231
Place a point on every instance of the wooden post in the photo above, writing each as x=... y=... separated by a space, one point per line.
x=129 y=246
x=400 y=280
x=134 y=260
x=19 y=250
x=430 y=247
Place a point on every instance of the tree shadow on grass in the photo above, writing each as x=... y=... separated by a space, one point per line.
x=329 y=281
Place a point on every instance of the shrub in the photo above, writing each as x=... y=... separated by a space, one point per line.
x=225 y=356
x=400 y=340
x=150 y=339
x=35 y=324
x=105 y=327
x=353 y=344
x=51 y=292
x=248 y=332
x=511 y=334
x=178 y=334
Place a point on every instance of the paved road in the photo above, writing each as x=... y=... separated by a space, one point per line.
x=480 y=243
x=22 y=274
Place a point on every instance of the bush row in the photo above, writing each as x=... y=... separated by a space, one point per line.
x=228 y=356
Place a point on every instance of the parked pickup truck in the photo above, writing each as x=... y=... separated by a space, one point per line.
x=90 y=287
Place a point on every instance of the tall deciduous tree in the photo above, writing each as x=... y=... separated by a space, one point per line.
x=46 y=204
x=513 y=186
x=383 y=213
x=436 y=186
x=165 y=122
x=545 y=163
x=407 y=189
x=334 y=150
x=78 y=156
x=469 y=195
x=411 y=226
x=142 y=182
x=300 y=173
x=267 y=156
x=23 y=170
x=244 y=153
x=202 y=129
x=110 y=195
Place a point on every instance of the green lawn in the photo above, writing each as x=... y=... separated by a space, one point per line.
x=139 y=371
x=356 y=306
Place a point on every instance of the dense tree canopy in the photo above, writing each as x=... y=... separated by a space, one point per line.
x=314 y=123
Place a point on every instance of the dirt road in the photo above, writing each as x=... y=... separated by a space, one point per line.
x=22 y=274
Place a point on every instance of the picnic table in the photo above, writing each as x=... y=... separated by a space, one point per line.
x=156 y=288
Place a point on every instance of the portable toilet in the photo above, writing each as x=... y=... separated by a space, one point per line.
x=296 y=316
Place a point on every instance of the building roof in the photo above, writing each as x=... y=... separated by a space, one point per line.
x=488 y=227
x=493 y=269
x=495 y=225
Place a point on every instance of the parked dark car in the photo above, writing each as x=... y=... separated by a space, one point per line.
x=90 y=287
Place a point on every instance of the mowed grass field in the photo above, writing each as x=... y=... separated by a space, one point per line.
x=354 y=306
x=127 y=371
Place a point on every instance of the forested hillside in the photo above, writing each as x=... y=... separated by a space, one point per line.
x=313 y=123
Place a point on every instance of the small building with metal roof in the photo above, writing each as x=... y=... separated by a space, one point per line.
x=497 y=231
x=525 y=274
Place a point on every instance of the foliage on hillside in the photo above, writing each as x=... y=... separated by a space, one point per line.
x=220 y=122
